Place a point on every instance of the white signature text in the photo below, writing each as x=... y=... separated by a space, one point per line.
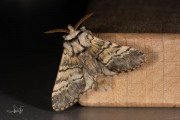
x=16 y=109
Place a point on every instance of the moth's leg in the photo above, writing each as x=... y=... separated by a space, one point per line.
x=89 y=71
x=104 y=83
x=104 y=80
x=90 y=81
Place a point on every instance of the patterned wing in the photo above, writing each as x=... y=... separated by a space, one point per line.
x=69 y=83
x=91 y=70
x=94 y=73
x=114 y=57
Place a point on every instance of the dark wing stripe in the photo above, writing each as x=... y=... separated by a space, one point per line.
x=122 y=52
x=104 y=48
x=64 y=70
x=78 y=78
x=108 y=61
x=72 y=75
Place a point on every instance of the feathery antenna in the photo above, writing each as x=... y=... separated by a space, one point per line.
x=83 y=19
x=76 y=26
x=57 y=30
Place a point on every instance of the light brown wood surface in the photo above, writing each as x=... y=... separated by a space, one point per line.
x=155 y=84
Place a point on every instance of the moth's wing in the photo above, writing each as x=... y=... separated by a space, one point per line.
x=94 y=73
x=89 y=80
x=90 y=70
x=69 y=83
x=114 y=57
x=105 y=71
x=104 y=80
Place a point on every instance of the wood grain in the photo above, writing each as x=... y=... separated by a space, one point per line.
x=155 y=84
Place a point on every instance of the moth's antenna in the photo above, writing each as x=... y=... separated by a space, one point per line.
x=57 y=30
x=83 y=19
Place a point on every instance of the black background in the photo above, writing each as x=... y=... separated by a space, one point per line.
x=30 y=58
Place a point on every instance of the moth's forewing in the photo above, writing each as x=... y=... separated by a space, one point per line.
x=69 y=83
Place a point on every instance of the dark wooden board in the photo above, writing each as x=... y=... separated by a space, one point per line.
x=134 y=16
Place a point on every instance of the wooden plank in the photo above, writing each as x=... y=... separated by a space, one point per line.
x=134 y=16
x=155 y=84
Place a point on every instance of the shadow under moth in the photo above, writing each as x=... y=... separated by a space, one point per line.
x=85 y=60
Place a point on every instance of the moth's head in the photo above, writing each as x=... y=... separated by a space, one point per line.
x=71 y=34
x=72 y=31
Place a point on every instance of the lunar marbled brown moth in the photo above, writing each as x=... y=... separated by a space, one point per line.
x=86 y=59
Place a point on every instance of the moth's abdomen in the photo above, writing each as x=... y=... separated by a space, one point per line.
x=116 y=58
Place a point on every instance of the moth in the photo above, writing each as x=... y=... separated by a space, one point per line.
x=86 y=58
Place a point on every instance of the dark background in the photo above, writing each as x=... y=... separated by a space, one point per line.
x=29 y=59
